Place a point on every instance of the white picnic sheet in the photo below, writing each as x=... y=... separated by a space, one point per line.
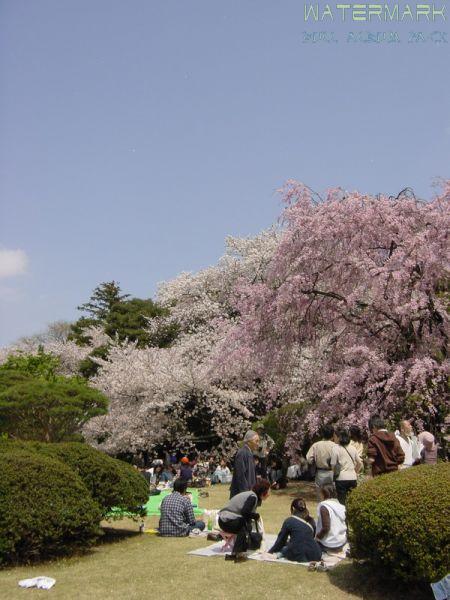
x=216 y=549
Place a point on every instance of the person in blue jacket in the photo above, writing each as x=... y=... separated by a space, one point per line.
x=296 y=539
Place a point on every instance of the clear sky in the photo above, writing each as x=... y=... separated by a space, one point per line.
x=135 y=135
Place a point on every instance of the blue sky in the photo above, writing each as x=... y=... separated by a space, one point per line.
x=136 y=135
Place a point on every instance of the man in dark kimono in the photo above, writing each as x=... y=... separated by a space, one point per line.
x=244 y=476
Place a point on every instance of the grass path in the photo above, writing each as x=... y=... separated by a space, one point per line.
x=130 y=566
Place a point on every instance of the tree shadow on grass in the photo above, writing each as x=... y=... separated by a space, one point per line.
x=361 y=579
x=111 y=535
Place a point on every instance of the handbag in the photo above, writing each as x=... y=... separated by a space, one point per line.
x=254 y=538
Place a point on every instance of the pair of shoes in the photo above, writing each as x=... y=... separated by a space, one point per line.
x=320 y=567
x=214 y=537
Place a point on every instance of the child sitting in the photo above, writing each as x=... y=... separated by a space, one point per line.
x=299 y=529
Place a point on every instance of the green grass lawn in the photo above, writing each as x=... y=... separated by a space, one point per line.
x=127 y=565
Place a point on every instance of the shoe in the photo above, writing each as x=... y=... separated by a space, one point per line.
x=214 y=537
x=237 y=558
x=312 y=566
x=322 y=567
x=240 y=558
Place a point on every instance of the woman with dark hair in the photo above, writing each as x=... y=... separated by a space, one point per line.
x=299 y=529
x=347 y=465
x=357 y=440
x=331 y=525
x=237 y=516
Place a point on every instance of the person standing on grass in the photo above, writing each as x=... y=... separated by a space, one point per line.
x=320 y=457
x=266 y=444
x=428 y=454
x=356 y=440
x=383 y=448
x=186 y=471
x=177 y=515
x=244 y=474
x=409 y=444
x=349 y=464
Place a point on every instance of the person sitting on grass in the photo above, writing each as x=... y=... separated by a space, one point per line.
x=237 y=516
x=299 y=529
x=177 y=515
x=331 y=526
x=166 y=474
x=222 y=474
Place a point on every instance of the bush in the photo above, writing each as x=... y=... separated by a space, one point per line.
x=111 y=482
x=400 y=522
x=45 y=509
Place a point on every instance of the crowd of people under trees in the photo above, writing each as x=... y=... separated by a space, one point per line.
x=337 y=463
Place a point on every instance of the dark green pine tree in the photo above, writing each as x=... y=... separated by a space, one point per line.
x=102 y=300
x=129 y=320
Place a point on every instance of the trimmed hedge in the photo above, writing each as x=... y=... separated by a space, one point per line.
x=400 y=522
x=45 y=509
x=111 y=482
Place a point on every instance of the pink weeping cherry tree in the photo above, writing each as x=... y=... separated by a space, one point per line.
x=350 y=318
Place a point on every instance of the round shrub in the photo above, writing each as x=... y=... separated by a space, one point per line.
x=45 y=509
x=111 y=482
x=400 y=522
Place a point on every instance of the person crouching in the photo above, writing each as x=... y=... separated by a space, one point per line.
x=237 y=516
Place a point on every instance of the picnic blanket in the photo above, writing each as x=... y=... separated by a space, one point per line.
x=330 y=560
x=152 y=508
x=154 y=502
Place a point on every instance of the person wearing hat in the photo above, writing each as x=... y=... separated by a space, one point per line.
x=186 y=469
x=244 y=475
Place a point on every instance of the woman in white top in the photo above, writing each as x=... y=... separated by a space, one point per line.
x=348 y=464
x=331 y=526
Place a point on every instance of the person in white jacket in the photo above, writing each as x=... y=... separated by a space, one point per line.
x=331 y=525
x=409 y=444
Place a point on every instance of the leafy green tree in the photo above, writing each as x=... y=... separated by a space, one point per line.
x=41 y=365
x=47 y=410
